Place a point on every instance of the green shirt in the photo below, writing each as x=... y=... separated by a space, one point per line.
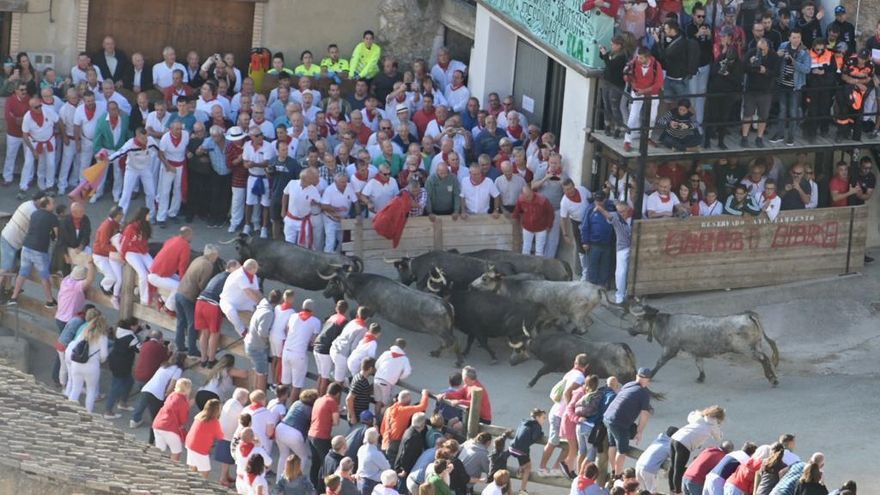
x=443 y=194
x=395 y=162
x=365 y=61
x=339 y=66
x=313 y=71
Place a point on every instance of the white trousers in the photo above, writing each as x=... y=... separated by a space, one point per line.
x=646 y=479
x=141 y=264
x=552 y=244
x=169 y=193
x=293 y=229
x=117 y=182
x=236 y=213
x=167 y=287
x=87 y=374
x=130 y=181
x=620 y=275
x=289 y=439
x=231 y=313
x=112 y=272
x=62 y=371
x=70 y=169
x=86 y=154
x=340 y=366
x=13 y=145
x=294 y=366
x=332 y=236
x=45 y=165
x=539 y=239
x=635 y=117
x=585 y=264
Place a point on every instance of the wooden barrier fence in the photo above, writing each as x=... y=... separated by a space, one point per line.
x=726 y=252
x=422 y=235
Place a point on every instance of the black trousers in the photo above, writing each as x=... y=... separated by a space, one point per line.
x=153 y=405
x=199 y=195
x=319 y=448
x=679 y=456
x=817 y=108
x=220 y=197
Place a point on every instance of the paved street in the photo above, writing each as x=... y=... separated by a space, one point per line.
x=826 y=332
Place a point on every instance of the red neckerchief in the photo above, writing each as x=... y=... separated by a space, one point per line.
x=175 y=141
x=577 y=196
x=444 y=66
x=515 y=131
x=285 y=306
x=305 y=315
x=397 y=354
x=666 y=199
x=401 y=98
x=255 y=406
x=251 y=477
x=369 y=337
x=456 y=87
x=250 y=276
x=584 y=482
x=38 y=117
x=773 y=196
x=363 y=176
x=140 y=145
x=382 y=179
x=360 y=322
x=454 y=170
x=371 y=115
x=245 y=448
x=90 y=113
x=113 y=122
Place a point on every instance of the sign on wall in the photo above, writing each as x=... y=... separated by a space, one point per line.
x=725 y=252
x=564 y=25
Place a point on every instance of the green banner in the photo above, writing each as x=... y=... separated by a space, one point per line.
x=561 y=24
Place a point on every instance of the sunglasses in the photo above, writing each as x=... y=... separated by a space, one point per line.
x=37 y=107
x=386 y=174
x=700 y=16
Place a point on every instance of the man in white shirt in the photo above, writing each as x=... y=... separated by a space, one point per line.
x=109 y=93
x=361 y=172
x=163 y=70
x=457 y=94
x=478 y=193
x=69 y=157
x=258 y=120
x=229 y=415
x=38 y=134
x=661 y=203
x=509 y=186
x=770 y=201
x=434 y=130
x=392 y=366
x=208 y=100
x=443 y=71
x=305 y=84
x=379 y=191
x=507 y=105
x=301 y=332
x=140 y=155
x=256 y=155
x=337 y=199
x=85 y=122
x=710 y=206
x=571 y=212
x=83 y=64
x=560 y=395
x=172 y=154
x=343 y=345
x=296 y=203
x=262 y=422
x=364 y=349
x=241 y=292
x=156 y=125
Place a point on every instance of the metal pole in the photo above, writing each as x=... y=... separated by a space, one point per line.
x=644 y=131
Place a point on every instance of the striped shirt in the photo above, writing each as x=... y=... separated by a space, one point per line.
x=362 y=391
x=622 y=230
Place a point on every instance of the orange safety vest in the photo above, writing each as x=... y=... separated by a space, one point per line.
x=820 y=60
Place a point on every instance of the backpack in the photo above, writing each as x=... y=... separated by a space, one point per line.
x=121 y=356
x=80 y=353
x=590 y=404
x=557 y=391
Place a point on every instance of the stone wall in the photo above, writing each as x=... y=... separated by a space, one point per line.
x=409 y=29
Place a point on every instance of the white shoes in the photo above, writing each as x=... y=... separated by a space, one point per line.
x=247 y=229
x=231 y=229
x=264 y=233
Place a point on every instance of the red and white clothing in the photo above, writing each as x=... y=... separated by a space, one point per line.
x=299 y=222
x=502 y=119
x=87 y=121
x=39 y=128
x=770 y=205
x=242 y=453
x=171 y=181
x=70 y=169
x=574 y=209
x=138 y=169
x=168 y=267
x=260 y=156
x=78 y=74
x=265 y=127
x=199 y=441
x=163 y=74
x=207 y=106
x=233 y=297
x=371 y=118
x=392 y=366
x=341 y=202
x=537 y=217
x=169 y=426
x=301 y=331
x=136 y=252
x=262 y=420
x=344 y=344
x=278 y=332
x=124 y=105
x=661 y=204
x=457 y=97
x=442 y=76
x=478 y=197
x=756 y=189
x=366 y=348
x=110 y=268
x=380 y=193
x=16 y=108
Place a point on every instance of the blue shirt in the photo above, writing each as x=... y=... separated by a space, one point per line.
x=299 y=486
x=418 y=469
x=528 y=433
x=214 y=288
x=188 y=122
x=629 y=403
x=789 y=481
x=282 y=174
x=71 y=330
x=595 y=230
x=300 y=417
x=217 y=154
x=655 y=455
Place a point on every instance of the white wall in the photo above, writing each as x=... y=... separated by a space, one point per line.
x=493 y=58
x=575 y=119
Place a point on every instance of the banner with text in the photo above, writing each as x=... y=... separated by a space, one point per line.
x=725 y=252
x=573 y=28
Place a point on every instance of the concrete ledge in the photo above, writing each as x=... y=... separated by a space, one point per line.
x=14 y=353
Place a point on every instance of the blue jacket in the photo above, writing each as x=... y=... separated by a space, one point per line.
x=801 y=64
x=595 y=230
x=789 y=481
x=655 y=455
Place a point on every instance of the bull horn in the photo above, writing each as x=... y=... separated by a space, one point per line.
x=391 y=261
x=230 y=241
x=431 y=287
x=515 y=345
x=335 y=265
x=526 y=331
x=325 y=277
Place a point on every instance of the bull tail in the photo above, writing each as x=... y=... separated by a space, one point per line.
x=657 y=395
x=603 y=292
x=568 y=269
x=775 y=350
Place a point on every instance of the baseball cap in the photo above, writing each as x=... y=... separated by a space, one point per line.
x=729 y=10
x=367 y=416
x=840 y=9
x=308 y=305
x=644 y=373
x=727 y=31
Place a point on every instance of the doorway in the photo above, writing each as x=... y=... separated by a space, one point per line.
x=538 y=87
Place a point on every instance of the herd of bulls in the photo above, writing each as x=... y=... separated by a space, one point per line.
x=530 y=301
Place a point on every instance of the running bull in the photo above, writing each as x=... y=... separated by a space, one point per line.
x=561 y=303
x=460 y=270
x=706 y=336
x=549 y=268
x=291 y=264
x=482 y=315
x=396 y=303
x=557 y=350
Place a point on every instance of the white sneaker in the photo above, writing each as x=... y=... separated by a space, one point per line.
x=112 y=416
x=134 y=424
x=246 y=230
x=544 y=472
x=231 y=229
x=264 y=233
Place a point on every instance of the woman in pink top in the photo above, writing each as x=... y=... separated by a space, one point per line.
x=205 y=431
x=72 y=293
x=169 y=427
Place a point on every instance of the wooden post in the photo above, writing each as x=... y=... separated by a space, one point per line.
x=127 y=298
x=602 y=462
x=438 y=233
x=358 y=237
x=473 y=415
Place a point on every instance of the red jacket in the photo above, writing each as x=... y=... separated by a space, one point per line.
x=652 y=79
x=705 y=462
x=464 y=395
x=133 y=241
x=152 y=355
x=610 y=11
x=15 y=109
x=173 y=258
x=535 y=215
x=173 y=415
x=102 y=245
x=202 y=435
